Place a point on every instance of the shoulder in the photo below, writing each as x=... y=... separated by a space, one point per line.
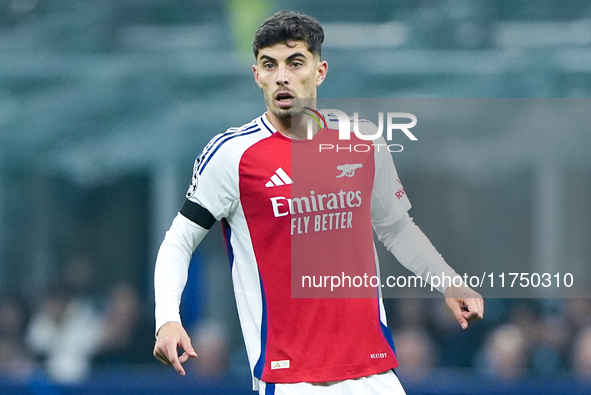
x=230 y=145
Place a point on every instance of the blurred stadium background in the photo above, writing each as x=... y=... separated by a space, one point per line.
x=104 y=106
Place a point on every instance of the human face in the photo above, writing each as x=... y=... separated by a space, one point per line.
x=288 y=72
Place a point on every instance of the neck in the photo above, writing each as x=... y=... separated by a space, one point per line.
x=293 y=127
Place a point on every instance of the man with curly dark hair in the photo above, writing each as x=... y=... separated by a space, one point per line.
x=246 y=179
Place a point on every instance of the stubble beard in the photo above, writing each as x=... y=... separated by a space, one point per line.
x=285 y=114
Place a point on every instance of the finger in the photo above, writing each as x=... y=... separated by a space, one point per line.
x=186 y=345
x=470 y=316
x=173 y=357
x=160 y=356
x=474 y=309
x=455 y=306
x=185 y=357
x=162 y=359
x=479 y=307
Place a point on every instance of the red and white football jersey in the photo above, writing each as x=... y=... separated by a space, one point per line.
x=289 y=211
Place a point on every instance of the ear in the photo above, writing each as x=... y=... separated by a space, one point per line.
x=321 y=70
x=256 y=75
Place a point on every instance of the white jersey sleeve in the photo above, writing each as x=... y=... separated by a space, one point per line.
x=209 y=198
x=393 y=226
x=214 y=192
x=407 y=242
x=172 y=264
x=389 y=202
x=213 y=185
x=212 y=195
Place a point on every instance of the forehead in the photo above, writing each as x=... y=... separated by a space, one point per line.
x=284 y=51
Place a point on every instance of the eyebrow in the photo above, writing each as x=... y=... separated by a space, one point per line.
x=290 y=57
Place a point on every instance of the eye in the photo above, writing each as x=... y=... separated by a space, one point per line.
x=296 y=64
x=268 y=66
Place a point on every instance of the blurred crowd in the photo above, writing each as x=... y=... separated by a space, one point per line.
x=70 y=330
x=518 y=338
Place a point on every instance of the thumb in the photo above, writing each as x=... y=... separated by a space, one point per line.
x=186 y=345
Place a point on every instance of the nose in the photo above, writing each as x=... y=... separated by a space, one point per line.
x=282 y=78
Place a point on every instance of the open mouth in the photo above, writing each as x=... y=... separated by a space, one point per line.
x=284 y=99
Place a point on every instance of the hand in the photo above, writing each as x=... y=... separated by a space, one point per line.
x=170 y=337
x=465 y=304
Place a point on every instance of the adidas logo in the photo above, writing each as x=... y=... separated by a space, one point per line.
x=279 y=178
x=280 y=364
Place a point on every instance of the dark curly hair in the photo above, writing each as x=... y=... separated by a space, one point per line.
x=285 y=26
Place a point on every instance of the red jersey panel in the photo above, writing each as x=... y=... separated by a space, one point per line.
x=318 y=338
